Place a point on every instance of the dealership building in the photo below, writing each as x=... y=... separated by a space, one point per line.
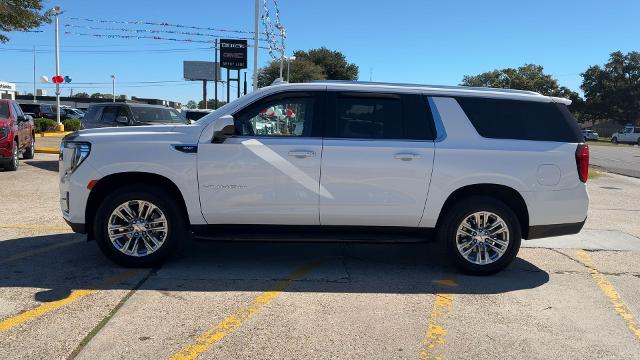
x=7 y=90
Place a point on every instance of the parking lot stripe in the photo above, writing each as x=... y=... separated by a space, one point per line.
x=37 y=251
x=435 y=338
x=51 y=306
x=35 y=227
x=610 y=292
x=210 y=337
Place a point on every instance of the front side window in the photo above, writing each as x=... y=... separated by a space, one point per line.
x=92 y=115
x=279 y=116
x=109 y=114
x=156 y=115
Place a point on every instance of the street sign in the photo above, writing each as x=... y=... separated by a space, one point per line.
x=201 y=70
x=233 y=54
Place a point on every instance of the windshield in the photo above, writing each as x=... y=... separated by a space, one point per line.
x=4 y=109
x=157 y=115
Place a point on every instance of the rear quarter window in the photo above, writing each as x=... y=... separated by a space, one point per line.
x=521 y=120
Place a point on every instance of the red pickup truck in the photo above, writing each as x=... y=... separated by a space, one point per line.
x=17 y=135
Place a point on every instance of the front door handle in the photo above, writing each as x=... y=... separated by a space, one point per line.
x=406 y=156
x=300 y=154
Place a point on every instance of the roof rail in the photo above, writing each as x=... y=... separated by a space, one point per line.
x=450 y=87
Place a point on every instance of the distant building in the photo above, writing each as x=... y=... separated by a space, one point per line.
x=83 y=103
x=7 y=90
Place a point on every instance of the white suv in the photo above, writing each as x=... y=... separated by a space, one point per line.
x=478 y=169
x=628 y=135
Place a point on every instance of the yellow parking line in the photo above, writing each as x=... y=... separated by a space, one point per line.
x=47 y=150
x=234 y=321
x=37 y=251
x=35 y=227
x=435 y=338
x=49 y=307
x=610 y=292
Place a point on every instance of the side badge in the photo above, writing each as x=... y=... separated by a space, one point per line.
x=189 y=149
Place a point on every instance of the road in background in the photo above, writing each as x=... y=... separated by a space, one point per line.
x=624 y=160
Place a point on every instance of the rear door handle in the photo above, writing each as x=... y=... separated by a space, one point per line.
x=302 y=154
x=406 y=156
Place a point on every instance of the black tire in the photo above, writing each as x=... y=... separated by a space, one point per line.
x=30 y=152
x=177 y=233
x=458 y=213
x=12 y=165
x=638 y=142
x=614 y=140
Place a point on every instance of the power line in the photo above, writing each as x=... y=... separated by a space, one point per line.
x=118 y=36
x=154 y=31
x=170 y=50
x=142 y=22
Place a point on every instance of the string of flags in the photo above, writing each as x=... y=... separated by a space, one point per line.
x=141 y=22
x=272 y=29
x=156 y=31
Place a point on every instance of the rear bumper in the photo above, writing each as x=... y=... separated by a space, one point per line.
x=544 y=231
x=6 y=149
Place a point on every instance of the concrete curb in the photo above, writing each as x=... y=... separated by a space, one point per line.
x=54 y=134
x=45 y=150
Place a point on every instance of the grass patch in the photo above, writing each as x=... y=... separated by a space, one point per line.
x=594 y=173
x=605 y=142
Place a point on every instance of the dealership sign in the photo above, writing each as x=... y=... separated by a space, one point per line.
x=201 y=70
x=233 y=54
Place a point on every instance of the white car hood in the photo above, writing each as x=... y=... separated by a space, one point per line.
x=182 y=134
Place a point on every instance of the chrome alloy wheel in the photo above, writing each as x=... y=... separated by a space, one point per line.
x=482 y=238
x=137 y=228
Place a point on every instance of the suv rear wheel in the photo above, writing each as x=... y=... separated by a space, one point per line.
x=481 y=234
x=138 y=226
x=614 y=140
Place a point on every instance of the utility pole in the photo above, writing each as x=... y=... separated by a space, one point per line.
x=34 y=73
x=57 y=11
x=255 y=46
x=245 y=83
x=215 y=69
x=113 y=87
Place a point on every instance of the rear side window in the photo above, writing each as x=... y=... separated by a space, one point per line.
x=378 y=116
x=4 y=109
x=521 y=120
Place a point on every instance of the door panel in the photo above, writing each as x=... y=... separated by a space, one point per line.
x=260 y=181
x=376 y=183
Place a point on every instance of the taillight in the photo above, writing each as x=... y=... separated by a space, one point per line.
x=582 y=161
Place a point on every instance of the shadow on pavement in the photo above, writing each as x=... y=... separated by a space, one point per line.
x=50 y=165
x=226 y=266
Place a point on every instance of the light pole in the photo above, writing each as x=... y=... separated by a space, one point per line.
x=113 y=87
x=57 y=11
x=289 y=60
x=255 y=46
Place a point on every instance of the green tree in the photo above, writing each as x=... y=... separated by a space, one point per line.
x=97 y=96
x=211 y=104
x=527 y=77
x=81 y=95
x=191 y=104
x=613 y=90
x=315 y=64
x=21 y=15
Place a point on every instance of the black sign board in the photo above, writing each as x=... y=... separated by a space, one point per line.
x=233 y=54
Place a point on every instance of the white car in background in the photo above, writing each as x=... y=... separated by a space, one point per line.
x=628 y=135
x=477 y=169
x=589 y=135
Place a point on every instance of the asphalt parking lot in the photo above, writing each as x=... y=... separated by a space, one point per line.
x=573 y=297
x=621 y=159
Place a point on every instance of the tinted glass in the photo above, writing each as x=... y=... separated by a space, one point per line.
x=4 y=109
x=17 y=110
x=368 y=118
x=109 y=114
x=92 y=114
x=150 y=115
x=195 y=115
x=31 y=108
x=521 y=120
x=279 y=116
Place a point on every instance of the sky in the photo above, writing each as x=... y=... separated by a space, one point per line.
x=415 y=41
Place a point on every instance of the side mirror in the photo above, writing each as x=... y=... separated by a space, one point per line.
x=223 y=128
x=28 y=118
x=122 y=120
x=21 y=118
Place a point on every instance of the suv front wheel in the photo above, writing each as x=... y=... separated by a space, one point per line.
x=481 y=234
x=138 y=226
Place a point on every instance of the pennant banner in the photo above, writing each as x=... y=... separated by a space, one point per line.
x=153 y=31
x=140 y=22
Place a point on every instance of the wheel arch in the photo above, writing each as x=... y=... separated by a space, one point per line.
x=106 y=185
x=506 y=194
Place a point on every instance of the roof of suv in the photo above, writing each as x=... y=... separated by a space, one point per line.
x=132 y=105
x=444 y=90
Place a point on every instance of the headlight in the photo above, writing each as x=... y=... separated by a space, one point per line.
x=79 y=152
x=4 y=132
